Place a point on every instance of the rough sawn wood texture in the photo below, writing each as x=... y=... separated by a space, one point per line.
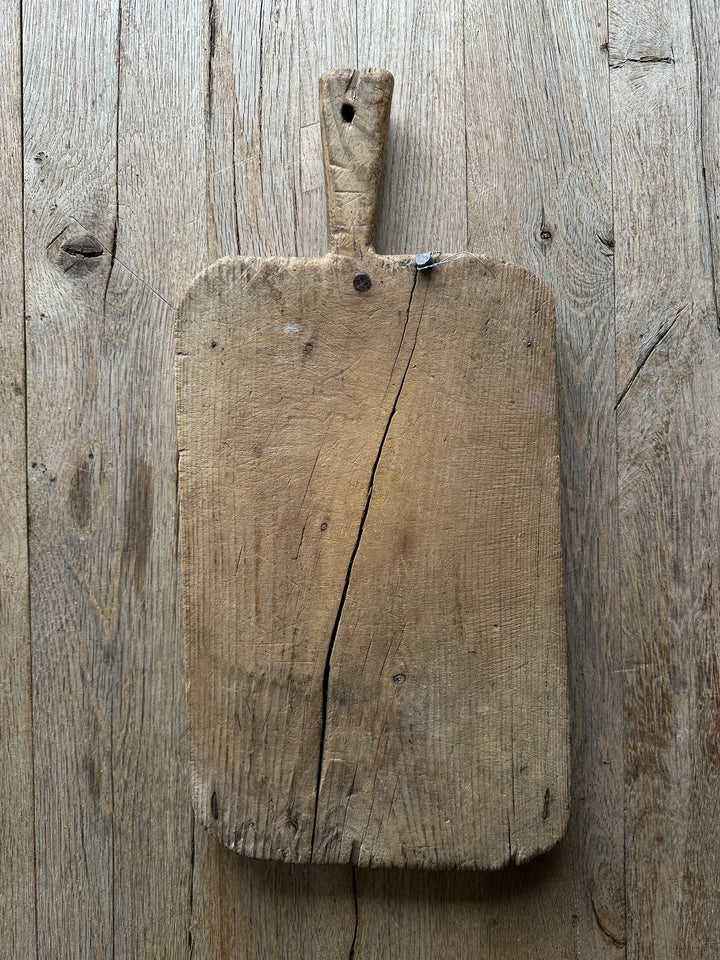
x=578 y=139
x=370 y=530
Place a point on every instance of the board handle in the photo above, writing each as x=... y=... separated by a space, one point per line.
x=354 y=117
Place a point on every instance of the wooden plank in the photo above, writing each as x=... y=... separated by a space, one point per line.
x=17 y=885
x=75 y=540
x=252 y=129
x=160 y=184
x=421 y=44
x=525 y=158
x=699 y=918
x=286 y=911
x=114 y=130
x=703 y=32
x=372 y=486
x=257 y=909
x=662 y=79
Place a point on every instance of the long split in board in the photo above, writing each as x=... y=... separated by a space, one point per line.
x=370 y=534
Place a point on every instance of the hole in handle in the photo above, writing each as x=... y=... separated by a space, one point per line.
x=347 y=112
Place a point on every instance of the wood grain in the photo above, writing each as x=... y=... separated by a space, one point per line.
x=313 y=518
x=540 y=192
x=327 y=39
x=354 y=119
x=421 y=43
x=446 y=735
x=236 y=155
x=74 y=560
x=251 y=127
x=261 y=908
x=106 y=195
x=161 y=55
x=245 y=485
x=17 y=883
x=533 y=80
x=668 y=455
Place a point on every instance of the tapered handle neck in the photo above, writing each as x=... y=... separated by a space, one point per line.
x=354 y=117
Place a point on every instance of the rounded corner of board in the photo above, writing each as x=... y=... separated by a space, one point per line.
x=557 y=832
x=542 y=293
x=201 y=281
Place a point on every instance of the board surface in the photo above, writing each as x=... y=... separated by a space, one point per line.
x=370 y=532
x=371 y=560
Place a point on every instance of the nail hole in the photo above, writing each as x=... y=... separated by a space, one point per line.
x=347 y=112
x=362 y=283
x=399 y=678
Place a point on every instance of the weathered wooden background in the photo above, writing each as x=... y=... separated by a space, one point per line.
x=143 y=140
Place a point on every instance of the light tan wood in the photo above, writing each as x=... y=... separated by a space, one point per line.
x=351 y=484
x=319 y=916
x=354 y=118
x=17 y=874
x=249 y=93
x=422 y=42
x=664 y=78
x=106 y=256
x=446 y=735
x=540 y=190
x=532 y=80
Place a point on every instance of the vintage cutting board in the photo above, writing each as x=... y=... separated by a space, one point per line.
x=370 y=532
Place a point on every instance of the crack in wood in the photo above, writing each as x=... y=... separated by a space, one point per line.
x=351 y=955
x=701 y=124
x=657 y=340
x=617 y=64
x=190 y=941
x=368 y=498
x=511 y=853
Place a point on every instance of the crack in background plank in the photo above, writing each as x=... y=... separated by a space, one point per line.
x=699 y=81
x=657 y=340
x=351 y=955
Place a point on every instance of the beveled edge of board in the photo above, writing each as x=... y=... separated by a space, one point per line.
x=486 y=266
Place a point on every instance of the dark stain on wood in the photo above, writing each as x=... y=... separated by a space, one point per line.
x=84 y=488
x=94 y=774
x=139 y=519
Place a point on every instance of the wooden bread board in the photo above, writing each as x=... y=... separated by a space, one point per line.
x=370 y=533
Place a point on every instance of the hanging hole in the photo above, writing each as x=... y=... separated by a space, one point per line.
x=347 y=112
